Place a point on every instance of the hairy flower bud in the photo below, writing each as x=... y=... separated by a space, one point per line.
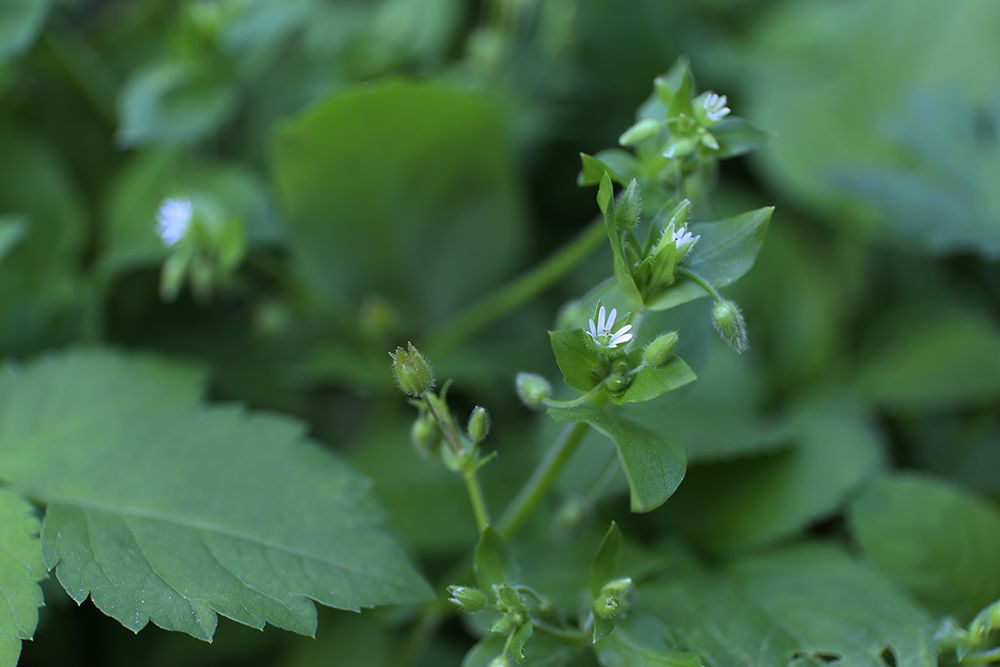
x=617 y=384
x=479 y=424
x=466 y=598
x=730 y=325
x=411 y=370
x=532 y=389
x=659 y=352
x=426 y=435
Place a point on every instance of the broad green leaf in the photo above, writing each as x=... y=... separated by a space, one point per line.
x=936 y=539
x=20 y=22
x=726 y=252
x=618 y=164
x=20 y=571
x=943 y=363
x=746 y=503
x=653 y=464
x=379 y=179
x=577 y=358
x=604 y=567
x=800 y=603
x=492 y=562
x=737 y=136
x=640 y=641
x=649 y=383
x=13 y=228
x=173 y=102
x=164 y=510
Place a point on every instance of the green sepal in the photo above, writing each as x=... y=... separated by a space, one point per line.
x=514 y=648
x=578 y=359
x=492 y=563
x=605 y=564
x=653 y=465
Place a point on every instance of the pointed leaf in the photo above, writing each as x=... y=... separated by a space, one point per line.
x=653 y=465
x=649 y=383
x=576 y=357
x=492 y=562
x=163 y=510
x=605 y=564
x=20 y=571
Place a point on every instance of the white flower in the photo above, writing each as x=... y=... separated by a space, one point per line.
x=173 y=219
x=601 y=334
x=715 y=107
x=684 y=240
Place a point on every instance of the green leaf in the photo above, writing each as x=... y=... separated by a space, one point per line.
x=13 y=228
x=617 y=164
x=173 y=102
x=726 y=252
x=492 y=562
x=20 y=22
x=612 y=219
x=938 y=540
x=378 y=179
x=164 y=510
x=604 y=567
x=747 y=503
x=737 y=136
x=649 y=383
x=935 y=365
x=653 y=465
x=543 y=651
x=576 y=357
x=20 y=571
x=639 y=641
x=803 y=602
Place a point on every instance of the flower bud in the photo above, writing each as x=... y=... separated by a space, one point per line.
x=617 y=384
x=730 y=325
x=612 y=601
x=659 y=352
x=639 y=132
x=532 y=389
x=412 y=371
x=466 y=598
x=479 y=424
x=425 y=435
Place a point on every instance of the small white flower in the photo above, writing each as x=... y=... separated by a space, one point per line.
x=683 y=239
x=715 y=107
x=601 y=334
x=173 y=219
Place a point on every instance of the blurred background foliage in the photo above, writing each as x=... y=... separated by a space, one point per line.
x=394 y=160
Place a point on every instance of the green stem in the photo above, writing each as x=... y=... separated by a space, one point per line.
x=983 y=657
x=707 y=286
x=579 y=400
x=477 y=500
x=566 y=635
x=542 y=479
x=521 y=289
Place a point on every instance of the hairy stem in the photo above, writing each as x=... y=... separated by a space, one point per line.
x=705 y=285
x=522 y=289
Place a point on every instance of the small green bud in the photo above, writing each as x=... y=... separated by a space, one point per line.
x=411 y=370
x=659 y=352
x=466 y=598
x=503 y=625
x=612 y=601
x=426 y=435
x=532 y=389
x=508 y=598
x=639 y=132
x=679 y=148
x=617 y=383
x=479 y=424
x=730 y=325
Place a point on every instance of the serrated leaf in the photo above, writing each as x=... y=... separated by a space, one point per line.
x=726 y=252
x=936 y=539
x=747 y=503
x=801 y=603
x=20 y=571
x=653 y=465
x=163 y=510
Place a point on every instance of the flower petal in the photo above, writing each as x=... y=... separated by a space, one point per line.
x=611 y=319
x=600 y=320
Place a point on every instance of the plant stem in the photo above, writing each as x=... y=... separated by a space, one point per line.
x=707 y=286
x=477 y=500
x=522 y=289
x=542 y=479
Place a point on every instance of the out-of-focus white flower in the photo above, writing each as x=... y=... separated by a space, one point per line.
x=173 y=219
x=715 y=107
x=600 y=332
